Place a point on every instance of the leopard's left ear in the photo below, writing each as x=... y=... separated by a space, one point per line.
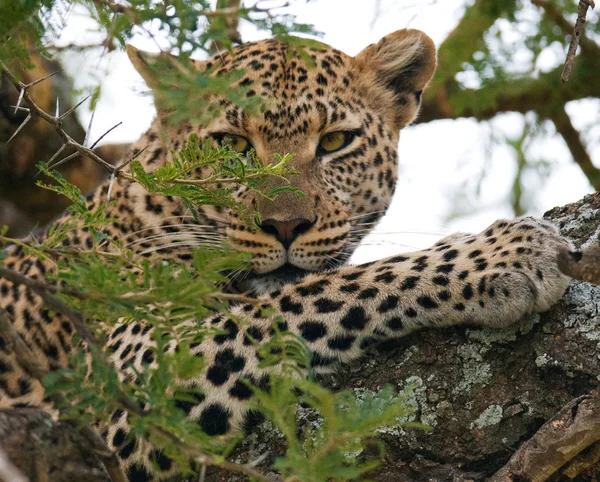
x=153 y=66
x=159 y=71
x=403 y=62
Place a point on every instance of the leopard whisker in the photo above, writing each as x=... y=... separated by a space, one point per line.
x=187 y=243
x=363 y=215
x=184 y=235
x=162 y=227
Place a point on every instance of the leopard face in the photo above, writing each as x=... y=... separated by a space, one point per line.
x=339 y=116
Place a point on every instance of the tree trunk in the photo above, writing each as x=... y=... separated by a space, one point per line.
x=484 y=392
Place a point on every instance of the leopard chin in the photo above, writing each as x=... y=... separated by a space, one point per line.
x=259 y=284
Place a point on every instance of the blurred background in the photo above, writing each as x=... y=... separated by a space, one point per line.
x=499 y=134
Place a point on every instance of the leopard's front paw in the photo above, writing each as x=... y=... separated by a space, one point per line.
x=527 y=248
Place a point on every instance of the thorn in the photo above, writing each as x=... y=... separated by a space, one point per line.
x=57 y=108
x=23 y=109
x=56 y=154
x=110 y=187
x=73 y=108
x=27 y=119
x=62 y=161
x=129 y=161
x=106 y=133
x=87 y=133
x=20 y=99
x=43 y=78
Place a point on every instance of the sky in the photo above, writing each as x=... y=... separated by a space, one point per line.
x=440 y=162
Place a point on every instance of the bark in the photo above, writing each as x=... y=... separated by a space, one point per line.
x=45 y=450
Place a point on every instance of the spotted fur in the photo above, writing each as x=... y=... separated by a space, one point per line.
x=490 y=279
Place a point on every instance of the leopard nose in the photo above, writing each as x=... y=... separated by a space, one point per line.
x=286 y=231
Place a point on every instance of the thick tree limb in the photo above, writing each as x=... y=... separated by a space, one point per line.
x=569 y=432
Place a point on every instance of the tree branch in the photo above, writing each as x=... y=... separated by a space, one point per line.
x=580 y=155
x=582 y=9
x=588 y=47
x=571 y=430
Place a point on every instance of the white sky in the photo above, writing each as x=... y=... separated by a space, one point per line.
x=439 y=161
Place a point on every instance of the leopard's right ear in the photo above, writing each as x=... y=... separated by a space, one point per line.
x=153 y=66
x=401 y=63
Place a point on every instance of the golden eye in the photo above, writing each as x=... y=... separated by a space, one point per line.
x=237 y=143
x=334 y=141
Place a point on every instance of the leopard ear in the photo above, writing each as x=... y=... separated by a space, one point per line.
x=146 y=63
x=160 y=71
x=152 y=66
x=402 y=62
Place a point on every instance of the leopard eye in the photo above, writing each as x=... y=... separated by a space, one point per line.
x=334 y=141
x=237 y=143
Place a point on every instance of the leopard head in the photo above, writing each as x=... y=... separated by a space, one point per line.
x=340 y=117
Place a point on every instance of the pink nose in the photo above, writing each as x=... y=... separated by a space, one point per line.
x=286 y=231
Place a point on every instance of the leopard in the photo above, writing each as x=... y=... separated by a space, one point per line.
x=341 y=116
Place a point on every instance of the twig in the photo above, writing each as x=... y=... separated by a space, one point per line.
x=38 y=286
x=56 y=122
x=574 y=428
x=582 y=9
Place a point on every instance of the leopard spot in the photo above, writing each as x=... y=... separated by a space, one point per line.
x=312 y=330
x=355 y=319
x=214 y=419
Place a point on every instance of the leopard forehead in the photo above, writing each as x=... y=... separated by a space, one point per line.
x=303 y=90
x=306 y=93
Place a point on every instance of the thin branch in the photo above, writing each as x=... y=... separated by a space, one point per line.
x=555 y=15
x=582 y=9
x=231 y=24
x=56 y=122
x=38 y=286
x=565 y=128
